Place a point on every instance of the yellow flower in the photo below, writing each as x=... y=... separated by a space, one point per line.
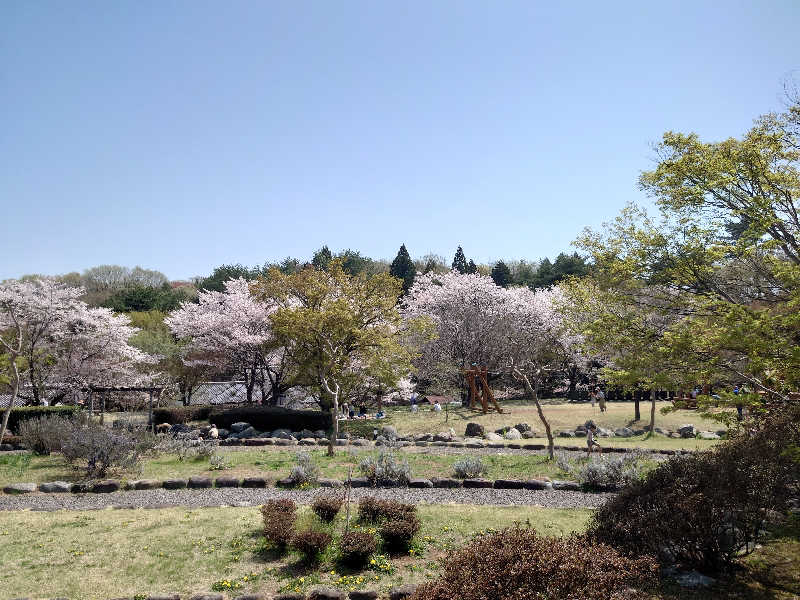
x=372 y=562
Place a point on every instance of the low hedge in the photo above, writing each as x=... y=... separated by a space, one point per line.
x=181 y=414
x=23 y=413
x=269 y=418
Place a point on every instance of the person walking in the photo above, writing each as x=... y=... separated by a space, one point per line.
x=601 y=400
x=591 y=443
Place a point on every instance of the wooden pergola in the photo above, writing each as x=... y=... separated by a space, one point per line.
x=151 y=390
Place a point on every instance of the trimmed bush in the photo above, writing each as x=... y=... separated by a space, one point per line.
x=181 y=414
x=385 y=470
x=279 y=517
x=103 y=449
x=397 y=533
x=707 y=508
x=327 y=507
x=469 y=467
x=44 y=435
x=23 y=413
x=518 y=563
x=304 y=471
x=269 y=418
x=311 y=543
x=356 y=547
x=613 y=472
x=372 y=510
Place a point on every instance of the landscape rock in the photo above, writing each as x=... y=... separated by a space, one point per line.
x=537 y=484
x=329 y=483
x=528 y=434
x=474 y=443
x=687 y=431
x=55 y=487
x=522 y=427
x=402 y=592
x=227 y=481
x=571 y=486
x=283 y=596
x=509 y=484
x=708 y=435
x=421 y=443
x=320 y=434
x=282 y=434
x=513 y=434
x=341 y=442
x=603 y=432
x=388 y=432
x=307 y=442
x=693 y=579
x=285 y=442
x=263 y=597
x=145 y=484
x=443 y=436
x=474 y=430
x=223 y=433
x=478 y=483
x=359 y=482
x=566 y=434
x=106 y=486
x=363 y=595
x=164 y=597
x=20 y=488
x=286 y=482
x=174 y=484
x=624 y=432
x=250 y=432
x=420 y=483
x=323 y=592
x=423 y=437
x=254 y=482
x=238 y=427
x=446 y=482
x=493 y=437
x=199 y=482
x=662 y=431
x=360 y=442
x=580 y=433
x=209 y=596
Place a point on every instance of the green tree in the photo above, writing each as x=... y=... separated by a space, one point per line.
x=460 y=261
x=322 y=258
x=216 y=281
x=403 y=268
x=144 y=298
x=471 y=267
x=501 y=274
x=339 y=330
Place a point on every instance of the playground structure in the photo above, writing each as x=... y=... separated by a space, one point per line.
x=480 y=389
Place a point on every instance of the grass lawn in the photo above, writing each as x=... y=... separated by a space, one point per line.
x=103 y=554
x=275 y=464
x=561 y=416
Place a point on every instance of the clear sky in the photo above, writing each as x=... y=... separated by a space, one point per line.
x=182 y=135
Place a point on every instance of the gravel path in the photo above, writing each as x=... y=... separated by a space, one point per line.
x=161 y=498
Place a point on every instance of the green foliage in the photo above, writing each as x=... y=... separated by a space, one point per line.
x=144 y=298
x=322 y=258
x=460 y=261
x=403 y=268
x=181 y=414
x=23 y=413
x=501 y=274
x=270 y=418
x=216 y=281
x=471 y=267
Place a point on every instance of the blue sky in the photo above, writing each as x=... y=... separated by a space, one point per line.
x=183 y=135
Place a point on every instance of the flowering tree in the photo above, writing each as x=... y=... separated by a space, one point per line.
x=53 y=340
x=230 y=331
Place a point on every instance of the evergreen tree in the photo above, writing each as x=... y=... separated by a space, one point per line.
x=460 y=261
x=403 y=268
x=472 y=267
x=545 y=275
x=322 y=258
x=501 y=274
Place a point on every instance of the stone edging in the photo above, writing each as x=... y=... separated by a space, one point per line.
x=316 y=593
x=202 y=482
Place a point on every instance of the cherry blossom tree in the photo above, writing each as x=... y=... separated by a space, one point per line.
x=231 y=332
x=55 y=341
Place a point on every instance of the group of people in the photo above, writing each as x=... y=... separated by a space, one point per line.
x=598 y=396
x=435 y=407
x=349 y=412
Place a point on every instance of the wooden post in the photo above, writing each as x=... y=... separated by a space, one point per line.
x=91 y=403
x=102 y=408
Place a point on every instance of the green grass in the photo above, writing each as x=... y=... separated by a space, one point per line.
x=103 y=554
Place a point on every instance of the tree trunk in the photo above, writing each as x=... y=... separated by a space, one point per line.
x=652 y=411
x=14 y=394
x=334 y=410
x=251 y=383
x=534 y=393
x=637 y=415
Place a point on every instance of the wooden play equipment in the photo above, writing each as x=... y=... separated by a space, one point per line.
x=480 y=390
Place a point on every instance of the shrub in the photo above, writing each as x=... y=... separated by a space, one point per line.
x=372 y=510
x=304 y=470
x=269 y=418
x=23 y=413
x=469 y=467
x=518 y=563
x=311 y=543
x=181 y=414
x=46 y=434
x=356 y=547
x=279 y=518
x=385 y=469
x=707 y=508
x=327 y=507
x=611 y=473
x=218 y=463
x=397 y=533
x=104 y=449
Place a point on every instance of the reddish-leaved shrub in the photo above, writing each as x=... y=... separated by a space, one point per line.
x=310 y=543
x=397 y=533
x=517 y=564
x=356 y=547
x=279 y=518
x=327 y=507
x=372 y=510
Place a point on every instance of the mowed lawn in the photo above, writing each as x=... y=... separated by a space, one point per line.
x=106 y=554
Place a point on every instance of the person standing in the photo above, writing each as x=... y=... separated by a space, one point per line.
x=593 y=396
x=591 y=442
x=601 y=400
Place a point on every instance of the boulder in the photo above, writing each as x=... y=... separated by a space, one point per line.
x=474 y=443
x=320 y=434
x=174 y=484
x=687 y=431
x=223 y=433
x=443 y=436
x=305 y=433
x=537 y=484
x=263 y=597
x=639 y=432
x=522 y=427
x=360 y=442
x=282 y=434
x=254 y=482
x=307 y=442
x=572 y=486
x=20 y=488
x=421 y=443
x=580 y=433
x=283 y=596
x=624 y=432
x=329 y=483
x=474 y=430
x=250 y=432
x=423 y=437
x=285 y=442
x=566 y=434
x=693 y=579
x=478 y=483
x=674 y=435
x=603 y=432
x=514 y=446
x=106 y=486
x=163 y=597
x=240 y=426
x=199 y=482
x=662 y=431
x=708 y=435
x=323 y=592
x=420 y=483
x=286 y=482
x=363 y=595
x=446 y=482
x=388 y=432
x=359 y=482
x=493 y=437
x=513 y=434
x=55 y=487
x=402 y=592
x=145 y=484
x=207 y=596
x=529 y=434
x=342 y=442
x=508 y=484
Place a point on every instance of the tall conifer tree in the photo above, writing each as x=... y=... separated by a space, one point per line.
x=403 y=268
x=460 y=261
